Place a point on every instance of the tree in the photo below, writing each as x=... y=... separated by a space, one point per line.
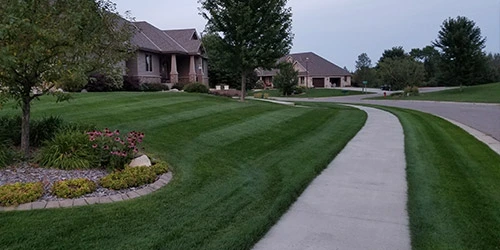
x=363 y=62
x=49 y=42
x=364 y=71
x=429 y=56
x=493 y=74
x=393 y=53
x=286 y=79
x=220 y=67
x=401 y=72
x=462 y=57
x=255 y=33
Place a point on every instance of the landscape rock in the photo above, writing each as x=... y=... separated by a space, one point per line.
x=141 y=161
x=84 y=91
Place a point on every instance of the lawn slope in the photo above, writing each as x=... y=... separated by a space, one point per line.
x=237 y=168
x=486 y=93
x=453 y=185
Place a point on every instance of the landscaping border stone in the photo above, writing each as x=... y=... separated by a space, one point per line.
x=163 y=180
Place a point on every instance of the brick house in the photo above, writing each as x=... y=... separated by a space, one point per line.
x=167 y=56
x=314 y=70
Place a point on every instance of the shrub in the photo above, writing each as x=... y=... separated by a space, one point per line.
x=297 y=90
x=411 y=91
x=104 y=83
x=178 y=86
x=160 y=168
x=152 y=87
x=227 y=93
x=131 y=83
x=73 y=188
x=68 y=150
x=19 y=193
x=10 y=130
x=40 y=130
x=258 y=95
x=129 y=177
x=44 y=129
x=6 y=155
x=113 y=151
x=259 y=84
x=196 y=88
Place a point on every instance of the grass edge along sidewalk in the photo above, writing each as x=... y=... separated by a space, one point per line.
x=485 y=93
x=237 y=167
x=453 y=185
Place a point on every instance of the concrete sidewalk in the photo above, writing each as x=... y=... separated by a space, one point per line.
x=358 y=202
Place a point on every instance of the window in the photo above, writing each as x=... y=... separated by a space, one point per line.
x=149 y=63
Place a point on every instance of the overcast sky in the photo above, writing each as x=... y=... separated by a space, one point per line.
x=340 y=30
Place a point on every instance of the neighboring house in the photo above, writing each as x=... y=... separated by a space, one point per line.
x=314 y=71
x=167 y=56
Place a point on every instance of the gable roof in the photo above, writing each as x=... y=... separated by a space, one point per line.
x=188 y=38
x=317 y=65
x=149 y=38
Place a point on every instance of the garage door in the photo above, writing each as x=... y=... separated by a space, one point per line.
x=319 y=82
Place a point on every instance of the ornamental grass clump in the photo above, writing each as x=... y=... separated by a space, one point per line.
x=114 y=150
x=19 y=193
x=73 y=188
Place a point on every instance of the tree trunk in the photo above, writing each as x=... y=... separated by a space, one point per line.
x=25 y=128
x=243 y=87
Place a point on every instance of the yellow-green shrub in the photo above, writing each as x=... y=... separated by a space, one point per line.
x=73 y=188
x=129 y=177
x=19 y=193
x=160 y=168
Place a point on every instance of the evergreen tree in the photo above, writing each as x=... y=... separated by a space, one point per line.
x=287 y=78
x=462 y=58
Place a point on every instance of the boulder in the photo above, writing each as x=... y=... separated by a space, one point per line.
x=140 y=161
x=84 y=91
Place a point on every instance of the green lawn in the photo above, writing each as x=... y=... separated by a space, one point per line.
x=453 y=185
x=486 y=93
x=312 y=93
x=237 y=168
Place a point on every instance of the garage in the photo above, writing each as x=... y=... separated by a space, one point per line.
x=319 y=82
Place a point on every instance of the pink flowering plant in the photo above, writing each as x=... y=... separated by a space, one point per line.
x=115 y=150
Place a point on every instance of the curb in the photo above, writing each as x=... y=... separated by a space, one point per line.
x=163 y=180
x=486 y=139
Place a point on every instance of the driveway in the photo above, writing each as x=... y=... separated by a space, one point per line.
x=482 y=117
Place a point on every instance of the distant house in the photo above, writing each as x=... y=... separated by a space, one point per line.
x=167 y=56
x=314 y=71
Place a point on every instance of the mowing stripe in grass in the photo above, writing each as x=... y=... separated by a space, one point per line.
x=454 y=188
x=225 y=193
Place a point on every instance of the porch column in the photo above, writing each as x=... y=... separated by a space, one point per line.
x=199 y=71
x=192 y=70
x=174 y=75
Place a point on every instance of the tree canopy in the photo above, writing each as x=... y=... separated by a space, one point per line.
x=287 y=78
x=462 y=58
x=393 y=53
x=401 y=72
x=363 y=61
x=46 y=43
x=255 y=33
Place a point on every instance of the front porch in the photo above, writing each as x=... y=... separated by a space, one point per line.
x=175 y=68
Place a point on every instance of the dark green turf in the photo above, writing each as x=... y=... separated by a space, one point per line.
x=453 y=185
x=237 y=168
x=486 y=93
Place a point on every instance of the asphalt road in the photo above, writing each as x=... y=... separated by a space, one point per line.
x=483 y=117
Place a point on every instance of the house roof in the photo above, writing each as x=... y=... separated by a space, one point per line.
x=317 y=65
x=150 y=38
